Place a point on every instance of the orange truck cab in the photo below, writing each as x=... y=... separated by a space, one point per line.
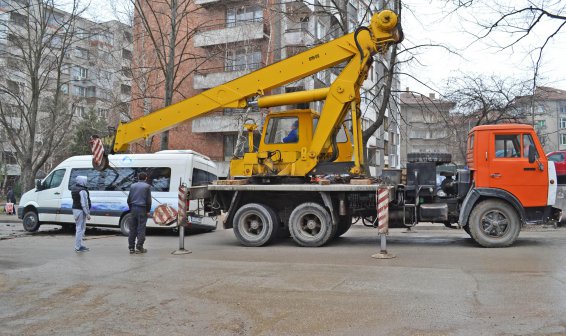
x=507 y=182
x=511 y=182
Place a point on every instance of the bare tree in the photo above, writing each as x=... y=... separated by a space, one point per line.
x=34 y=109
x=167 y=28
x=483 y=100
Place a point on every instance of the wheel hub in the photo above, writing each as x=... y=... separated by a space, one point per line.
x=311 y=224
x=254 y=225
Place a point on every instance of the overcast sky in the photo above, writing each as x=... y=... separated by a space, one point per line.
x=428 y=21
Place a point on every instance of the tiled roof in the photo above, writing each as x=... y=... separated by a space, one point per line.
x=412 y=98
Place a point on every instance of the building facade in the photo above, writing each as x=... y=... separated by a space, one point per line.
x=94 y=75
x=426 y=126
x=237 y=37
x=546 y=110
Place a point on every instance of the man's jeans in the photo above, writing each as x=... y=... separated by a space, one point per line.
x=137 y=227
x=80 y=222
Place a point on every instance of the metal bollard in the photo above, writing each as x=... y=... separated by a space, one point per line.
x=383 y=222
x=182 y=220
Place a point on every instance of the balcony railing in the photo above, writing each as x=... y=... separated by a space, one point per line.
x=230 y=33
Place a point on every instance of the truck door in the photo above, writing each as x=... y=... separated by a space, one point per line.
x=510 y=170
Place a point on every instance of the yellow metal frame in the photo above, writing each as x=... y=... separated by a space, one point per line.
x=341 y=97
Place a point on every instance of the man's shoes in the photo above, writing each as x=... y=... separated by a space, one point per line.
x=82 y=249
x=140 y=250
x=132 y=251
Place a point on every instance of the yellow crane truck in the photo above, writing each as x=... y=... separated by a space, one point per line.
x=280 y=196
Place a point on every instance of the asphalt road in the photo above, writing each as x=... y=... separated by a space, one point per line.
x=440 y=283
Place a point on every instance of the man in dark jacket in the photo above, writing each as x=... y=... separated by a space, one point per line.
x=10 y=196
x=81 y=211
x=139 y=201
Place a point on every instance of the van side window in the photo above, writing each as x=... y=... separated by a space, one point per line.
x=121 y=179
x=201 y=177
x=54 y=179
x=507 y=146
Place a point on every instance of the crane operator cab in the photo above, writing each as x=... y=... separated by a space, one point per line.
x=286 y=136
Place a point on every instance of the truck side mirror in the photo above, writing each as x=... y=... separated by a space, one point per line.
x=38 y=185
x=532 y=153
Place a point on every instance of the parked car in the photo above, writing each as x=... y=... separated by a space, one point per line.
x=559 y=159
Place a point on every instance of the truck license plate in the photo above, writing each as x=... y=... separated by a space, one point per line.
x=194 y=220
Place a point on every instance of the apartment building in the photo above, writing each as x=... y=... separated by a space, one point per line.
x=426 y=125
x=95 y=75
x=238 y=37
x=546 y=110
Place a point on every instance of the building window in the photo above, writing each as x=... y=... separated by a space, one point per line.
x=125 y=89
x=18 y=19
x=563 y=139
x=103 y=113
x=105 y=37
x=65 y=88
x=392 y=160
x=563 y=109
x=80 y=91
x=319 y=30
x=80 y=111
x=126 y=72
x=243 y=59
x=128 y=37
x=14 y=87
x=80 y=73
x=235 y=16
x=562 y=123
x=81 y=53
x=126 y=54
x=91 y=91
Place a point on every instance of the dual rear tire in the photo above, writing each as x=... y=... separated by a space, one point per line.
x=310 y=225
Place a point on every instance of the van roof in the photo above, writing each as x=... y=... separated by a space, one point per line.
x=165 y=154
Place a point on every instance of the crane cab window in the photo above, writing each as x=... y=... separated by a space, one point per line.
x=507 y=145
x=282 y=130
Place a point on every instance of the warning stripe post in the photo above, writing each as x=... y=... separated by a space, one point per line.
x=382 y=202
x=182 y=219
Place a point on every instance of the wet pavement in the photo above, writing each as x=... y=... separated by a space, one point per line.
x=440 y=283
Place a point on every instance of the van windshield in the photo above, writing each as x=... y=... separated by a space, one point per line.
x=121 y=179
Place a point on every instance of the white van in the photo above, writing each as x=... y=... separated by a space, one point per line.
x=51 y=201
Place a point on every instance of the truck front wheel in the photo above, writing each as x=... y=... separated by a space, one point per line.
x=310 y=225
x=255 y=224
x=494 y=223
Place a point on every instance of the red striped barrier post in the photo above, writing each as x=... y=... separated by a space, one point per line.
x=182 y=218
x=382 y=198
x=99 y=161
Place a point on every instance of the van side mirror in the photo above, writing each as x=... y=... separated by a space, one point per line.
x=532 y=153
x=38 y=185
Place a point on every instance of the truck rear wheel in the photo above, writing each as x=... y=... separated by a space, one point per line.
x=310 y=225
x=494 y=223
x=255 y=224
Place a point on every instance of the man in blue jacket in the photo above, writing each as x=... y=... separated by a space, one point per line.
x=139 y=202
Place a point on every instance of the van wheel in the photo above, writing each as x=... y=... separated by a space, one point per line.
x=31 y=221
x=255 y=224
x=125 y=224
x=310 y=225
x=494 y=223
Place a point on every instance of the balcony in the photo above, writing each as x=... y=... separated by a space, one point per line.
x=222 y=123
x=298 y=37
x=209 y=78
x=222 y=34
